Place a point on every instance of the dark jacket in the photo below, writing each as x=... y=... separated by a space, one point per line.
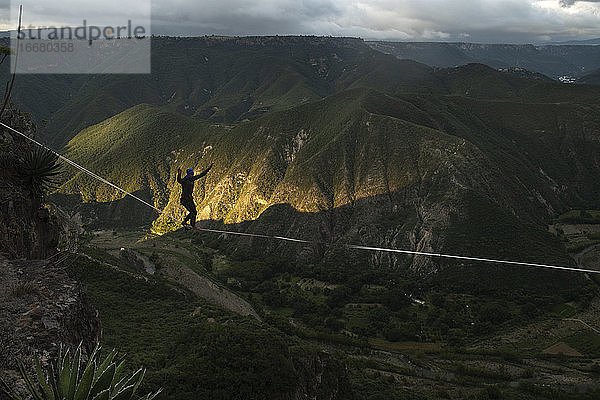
x=187 y=184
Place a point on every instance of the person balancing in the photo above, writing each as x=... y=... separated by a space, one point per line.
x=187 y=193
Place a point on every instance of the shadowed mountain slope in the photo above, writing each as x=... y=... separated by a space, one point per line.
x=400 y=171
x=592 y=78
x=551 y=60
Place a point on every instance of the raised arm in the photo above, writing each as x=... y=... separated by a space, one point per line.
x=179 y=175
x=201 y=174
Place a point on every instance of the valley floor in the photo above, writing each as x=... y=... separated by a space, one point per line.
x=553 y=354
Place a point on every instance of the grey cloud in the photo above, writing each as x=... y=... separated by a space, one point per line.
x=569 y=3
x=452 y=20
x=514 y=21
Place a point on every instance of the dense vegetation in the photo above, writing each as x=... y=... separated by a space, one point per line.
x=193 y=348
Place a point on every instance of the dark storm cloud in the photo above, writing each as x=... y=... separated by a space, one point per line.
x=450 y=20
x=243 y=17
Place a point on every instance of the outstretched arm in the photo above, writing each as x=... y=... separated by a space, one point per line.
x=201 y=174
x=179 y=175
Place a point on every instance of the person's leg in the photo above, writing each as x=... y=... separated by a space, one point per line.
x=193 y=214
x=190 y=207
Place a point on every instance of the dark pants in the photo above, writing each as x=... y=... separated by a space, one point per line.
x=191 y=207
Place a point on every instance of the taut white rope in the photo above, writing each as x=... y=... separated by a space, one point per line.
x=349 y=246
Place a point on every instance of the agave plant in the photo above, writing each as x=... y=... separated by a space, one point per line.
x=68 y=379
x=40 y=170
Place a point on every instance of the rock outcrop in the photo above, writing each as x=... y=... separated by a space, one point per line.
x=27 y=229
x=41 y=307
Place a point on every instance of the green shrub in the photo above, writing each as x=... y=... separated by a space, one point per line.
x=40 y=171
x=68 y=379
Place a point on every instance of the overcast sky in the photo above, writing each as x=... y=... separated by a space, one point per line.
x=498 y=21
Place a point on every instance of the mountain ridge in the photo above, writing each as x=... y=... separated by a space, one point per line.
x=340 y=152
x=554 y=60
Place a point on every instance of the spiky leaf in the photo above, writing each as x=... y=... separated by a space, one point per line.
x=104 y=381
x=9 y=392
x=74 y=373
x=29 y=383
x=40 y=170
x=132 y=380
x=66 y=372
x=125 y=394
x=64 y=379
x=46 y=389
x=151 y=396
x=118 y=372
x=107 y=361
x=85 y=384
x=138 y=380
x=104 y=395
